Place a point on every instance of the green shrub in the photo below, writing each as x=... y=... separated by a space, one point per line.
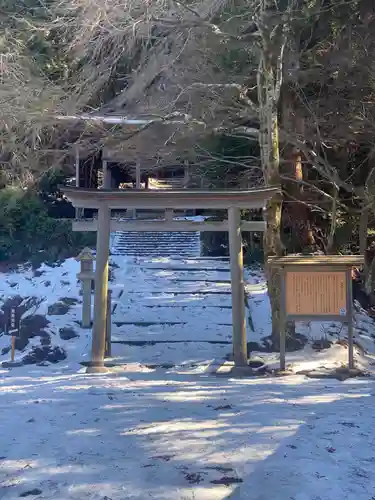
x=28 y=233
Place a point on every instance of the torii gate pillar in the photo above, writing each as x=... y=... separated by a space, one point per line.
x=101 y=291
x=238 y=289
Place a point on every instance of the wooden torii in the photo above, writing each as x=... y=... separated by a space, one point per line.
x=105 y=200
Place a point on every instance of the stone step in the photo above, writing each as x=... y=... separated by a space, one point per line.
x=156 y=249
x=158 y=236
x=180 y=243
x=196 y=275
x=155 y=300
x=134 y=312
x=138 y=253
x=149 y=331
x=137 y=241
x=171 y=354
x=156 y=244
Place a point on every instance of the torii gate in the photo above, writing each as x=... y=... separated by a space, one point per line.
x=105 y=200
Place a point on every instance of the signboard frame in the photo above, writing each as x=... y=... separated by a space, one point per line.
x=343 y=318
x=12 y=325
x=12 y=322
x=313 y=264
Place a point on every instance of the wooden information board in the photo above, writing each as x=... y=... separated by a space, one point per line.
x=316 y=293
x=316 y=288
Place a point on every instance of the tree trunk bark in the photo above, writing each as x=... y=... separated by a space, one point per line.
x=269 y=146
x=333 y=225
x=363 y=228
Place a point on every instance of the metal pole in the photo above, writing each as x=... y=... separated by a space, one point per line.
x=101 y=291
x=237 y=283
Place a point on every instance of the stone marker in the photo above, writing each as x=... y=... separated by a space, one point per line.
x=86 y=275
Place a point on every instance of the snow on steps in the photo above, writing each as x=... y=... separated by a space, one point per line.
x=156 y=244
x=177 y=310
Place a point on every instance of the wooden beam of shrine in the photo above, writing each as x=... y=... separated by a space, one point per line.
x=167 y=225
x=183 y=199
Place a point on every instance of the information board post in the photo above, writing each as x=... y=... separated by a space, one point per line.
x=13 y=349
x=316 y=288
x=282 y=323
x=350 y=320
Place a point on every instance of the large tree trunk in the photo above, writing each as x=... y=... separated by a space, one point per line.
x=270 y=158
x=269 y=82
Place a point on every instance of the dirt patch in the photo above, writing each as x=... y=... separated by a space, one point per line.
x=38 y=273
x=219 y=468
x=58 y=309
x=40 y=354
x=62 y=306
x=5 y=350
x=194 y=477
x=294 y=342
x=34 y=492
x=227 y=481
x=33 y=326
x=67 y=333
x=257 y=364
x=164 y=458
x=321 y=344
x=166 y=366
x=8 y=267
x=223 y=407
x=69 y=301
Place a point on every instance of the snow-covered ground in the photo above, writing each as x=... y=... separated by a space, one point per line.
x=152 y=434
x=180 y=309
x=163 y=425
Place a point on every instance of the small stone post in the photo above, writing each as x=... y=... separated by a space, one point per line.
x=86 y=275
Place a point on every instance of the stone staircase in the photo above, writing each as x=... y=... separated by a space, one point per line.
x=156 y=244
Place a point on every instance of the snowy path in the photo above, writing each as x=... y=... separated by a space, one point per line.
x=151 y=434
x=182 y=307
x=177 y=432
